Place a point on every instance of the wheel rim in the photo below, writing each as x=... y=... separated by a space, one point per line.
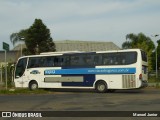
x=101 y=87
x=34 y=86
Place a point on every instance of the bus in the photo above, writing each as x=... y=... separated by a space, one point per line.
x=104 y=71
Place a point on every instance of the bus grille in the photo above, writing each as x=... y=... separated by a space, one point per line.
x=129 y=81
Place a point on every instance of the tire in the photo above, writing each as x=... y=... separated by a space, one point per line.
x=101 y=87
x=33 y=85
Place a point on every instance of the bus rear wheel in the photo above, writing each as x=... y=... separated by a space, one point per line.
x=101 y=87
x=33 y=85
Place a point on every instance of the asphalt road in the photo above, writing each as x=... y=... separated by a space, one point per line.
x=71 y=100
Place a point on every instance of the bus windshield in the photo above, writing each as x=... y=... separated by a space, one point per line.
x=20 y=68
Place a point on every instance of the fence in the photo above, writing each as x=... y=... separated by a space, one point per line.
x=3 y=76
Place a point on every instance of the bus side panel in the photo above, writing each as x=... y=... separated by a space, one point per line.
x=88 y=79
x=113 y=81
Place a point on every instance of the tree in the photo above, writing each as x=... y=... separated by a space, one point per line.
x=37 y=38
x=18 y=37
x=142 y=42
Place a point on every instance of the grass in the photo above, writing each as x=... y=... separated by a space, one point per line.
x=153 y=79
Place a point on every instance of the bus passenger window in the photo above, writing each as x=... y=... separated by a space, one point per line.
x=105 y=61
x=48 y=62
x=67 y=61
x=58 y=61
x=96 y=60
x=74 y=60
x=31 y=63
x=88 y=60
x=61 y=61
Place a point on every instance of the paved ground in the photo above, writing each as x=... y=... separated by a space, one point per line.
x=62 y=100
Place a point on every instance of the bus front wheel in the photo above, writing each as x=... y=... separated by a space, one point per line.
x=101 y=87
x=33 y=85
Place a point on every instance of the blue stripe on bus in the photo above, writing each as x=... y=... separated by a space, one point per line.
x=78 y=71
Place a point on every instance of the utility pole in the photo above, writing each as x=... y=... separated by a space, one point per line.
x=6 y=68
x=156 y=57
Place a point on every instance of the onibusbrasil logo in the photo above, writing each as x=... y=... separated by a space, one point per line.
x=21 y=114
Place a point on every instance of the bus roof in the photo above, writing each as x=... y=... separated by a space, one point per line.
x=61 y=52
x=74 y=52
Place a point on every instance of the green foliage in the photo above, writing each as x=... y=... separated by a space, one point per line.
x=37 y=38
x=136 y=40
x=142 y=42
x=9 y=75
x=17 y=37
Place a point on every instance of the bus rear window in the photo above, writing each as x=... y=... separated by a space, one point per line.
x=144 y=56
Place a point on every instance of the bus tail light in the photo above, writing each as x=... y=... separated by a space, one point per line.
x=140 y=76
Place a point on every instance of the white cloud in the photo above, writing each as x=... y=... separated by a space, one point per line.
x=82 y=19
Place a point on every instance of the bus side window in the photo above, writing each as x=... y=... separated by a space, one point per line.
x=110 y=59
x=58 y=61
x=96 y=60
x=106 y=59
x=74 y=60
x=48 y=62
x=31 y=63
x=67 y=61
x=34 y=62
x=61 y=61
x=122 y=58
x=52 y=62
x=55 y=61
x=88 y=60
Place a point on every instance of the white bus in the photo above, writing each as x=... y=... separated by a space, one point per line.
x=104 y=71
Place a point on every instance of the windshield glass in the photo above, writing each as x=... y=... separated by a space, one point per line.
x=20 y=68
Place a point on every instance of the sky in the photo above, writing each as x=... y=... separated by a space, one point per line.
x=88 y=20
